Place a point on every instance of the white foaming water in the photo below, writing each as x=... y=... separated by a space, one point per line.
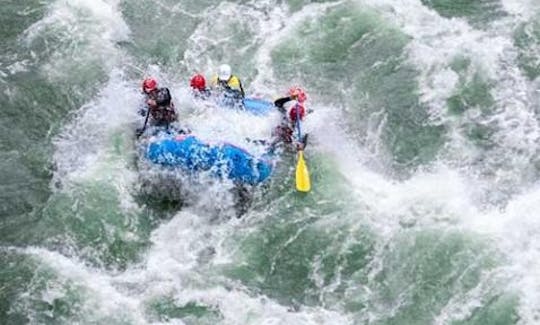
x=209 y=35
x=447 y=194
x=100 y=297
x=112 y=114
x=96 y=145
x=173 y=270
x=516 y=230
x=443 y=198
x=436 y=42
x=521 y=9
x=273 y=32
x=78 y=32
x=214 y=124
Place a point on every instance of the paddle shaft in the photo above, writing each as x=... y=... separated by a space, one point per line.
x=303 y=183
x=298 y=122
x=145 y=122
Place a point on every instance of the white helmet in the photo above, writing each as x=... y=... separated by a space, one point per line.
x=224 y=72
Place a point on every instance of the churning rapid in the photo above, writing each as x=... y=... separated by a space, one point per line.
x=424 y=157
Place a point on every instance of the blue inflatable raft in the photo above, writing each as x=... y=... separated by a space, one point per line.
x=252 y=105
x=224 y=160
x=257 y=106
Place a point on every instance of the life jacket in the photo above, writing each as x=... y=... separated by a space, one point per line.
x=293 y=112
x=164 y=110
x=233 y=83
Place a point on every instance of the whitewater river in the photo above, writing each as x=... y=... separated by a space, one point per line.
x=424 y=157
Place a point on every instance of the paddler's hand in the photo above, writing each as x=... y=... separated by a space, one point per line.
x=151 y=103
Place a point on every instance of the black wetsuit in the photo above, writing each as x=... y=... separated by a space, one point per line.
x=280 y=102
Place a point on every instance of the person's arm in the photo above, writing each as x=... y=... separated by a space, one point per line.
x=143 y=108
x=280 y=102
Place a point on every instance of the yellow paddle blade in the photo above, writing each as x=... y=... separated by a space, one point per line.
x=303 y=184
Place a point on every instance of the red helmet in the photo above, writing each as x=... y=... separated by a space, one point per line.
x=149 y=84
x=298 y=93
x=198 y=82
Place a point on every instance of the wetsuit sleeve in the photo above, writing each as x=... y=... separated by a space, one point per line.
x=281 y=101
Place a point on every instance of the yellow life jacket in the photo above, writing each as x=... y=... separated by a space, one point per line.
x=233 y=83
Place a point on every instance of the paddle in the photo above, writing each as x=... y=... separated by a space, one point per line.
x=141 y=130
x=303 y=183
